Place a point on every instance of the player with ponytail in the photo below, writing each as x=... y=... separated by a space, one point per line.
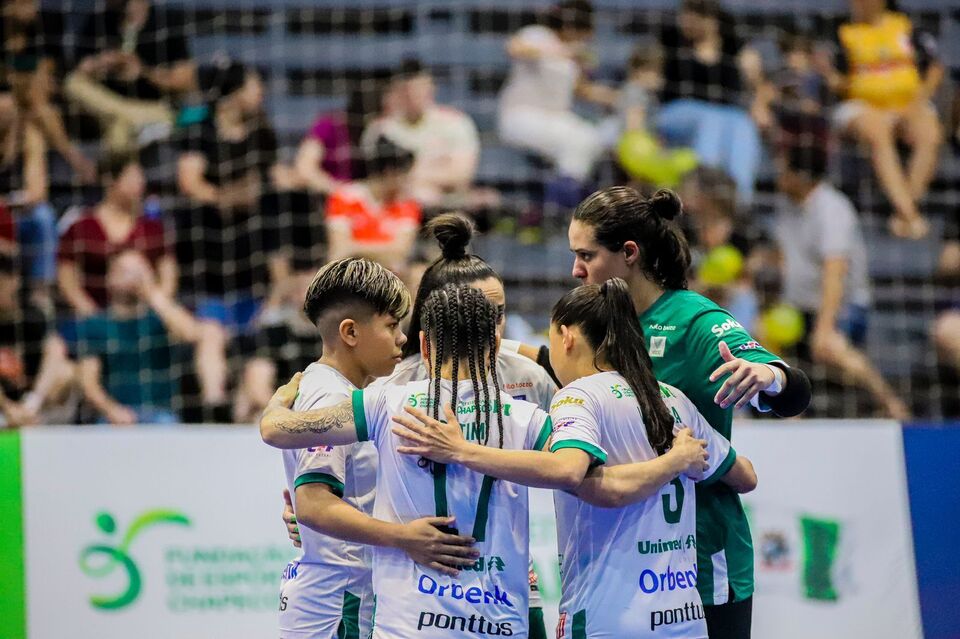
x=701 y=349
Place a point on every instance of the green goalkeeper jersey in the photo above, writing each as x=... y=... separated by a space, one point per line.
x=683 y=331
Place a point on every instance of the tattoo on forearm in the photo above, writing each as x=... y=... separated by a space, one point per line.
x=318 y=421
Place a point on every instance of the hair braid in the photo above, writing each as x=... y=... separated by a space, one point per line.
x=449 y=312
x=481 y=366
x=475 y=371
x=492 y=345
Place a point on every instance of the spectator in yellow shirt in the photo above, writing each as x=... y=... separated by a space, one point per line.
x=886 y=74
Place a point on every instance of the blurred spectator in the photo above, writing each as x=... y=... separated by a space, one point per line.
x=443 y=139
x=33 y=57
x=285 y=342
x=638 y=100
x=229 y=161
x=886 y=73
x=824 y=261
x=24 y=193
x=114 y=225
x=126 y=359
x=706 y=89
x=134 y=65
x=36 y=378
x=536 y=104
x=946 y=329
x=374 y=217
x=328 y=157
x=723 y=243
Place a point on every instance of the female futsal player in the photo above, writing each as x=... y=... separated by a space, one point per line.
x=629 y=571
x=699 y=348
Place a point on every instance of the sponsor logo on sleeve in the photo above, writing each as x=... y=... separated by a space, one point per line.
x=749 y=346
x=567 y=401
x=722 y=329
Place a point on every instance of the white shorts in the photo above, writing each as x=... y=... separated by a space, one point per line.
x=316 y=600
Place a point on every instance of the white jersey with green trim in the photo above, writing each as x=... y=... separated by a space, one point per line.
x=489 y=598
x=629 y=572
x=519 y=376
x=351 y=471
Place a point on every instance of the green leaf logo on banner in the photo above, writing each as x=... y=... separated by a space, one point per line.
x=111 y=558
x=820 y=540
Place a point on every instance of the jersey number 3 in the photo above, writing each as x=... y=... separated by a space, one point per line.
x=672 y=515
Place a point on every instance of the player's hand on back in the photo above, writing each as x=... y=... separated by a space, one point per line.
x=690 y=453
x=744 y=379
x=286 y=394
x=424 y=542
x=426 y=437
x=290 y=519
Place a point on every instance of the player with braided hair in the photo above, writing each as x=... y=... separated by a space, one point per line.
x=520 y=377
x=490 y=595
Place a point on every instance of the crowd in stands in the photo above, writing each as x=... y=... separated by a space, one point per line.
x=127 y=310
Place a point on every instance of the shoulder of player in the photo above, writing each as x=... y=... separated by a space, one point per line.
x=321 y=386
x=408 y=370
x=586 y=391
x=516 y=364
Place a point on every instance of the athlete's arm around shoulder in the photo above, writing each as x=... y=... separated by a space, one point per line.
x=444 y=443
x=723 y=462
x=282 y=427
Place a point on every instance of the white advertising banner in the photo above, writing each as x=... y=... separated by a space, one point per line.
x=152 y=532
x=175 y=533
x=831 y=530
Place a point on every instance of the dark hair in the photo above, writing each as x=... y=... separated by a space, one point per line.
x=606 y=316
x=8 y=264
x=705 y=8
x=113 y=165
x=571 y=14
x=620 y=214
x=461 y=324
x=356 y=281
x=385 y=156
x=645 y=54
x=810 y=160
x=454 y=266
x=226 y=78
x=410 y=68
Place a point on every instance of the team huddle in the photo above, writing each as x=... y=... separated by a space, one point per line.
x=408 y=456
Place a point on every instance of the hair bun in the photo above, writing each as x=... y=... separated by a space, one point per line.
x=665 y=204
x=453 y=233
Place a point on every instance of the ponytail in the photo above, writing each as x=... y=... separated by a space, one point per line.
x=606 y=316
x=620 y=214
x=453 y=233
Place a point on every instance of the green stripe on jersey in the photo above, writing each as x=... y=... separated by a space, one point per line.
x=590 y=449
x=359 y=416
x=483 y=509
x=579 y=628
x=440 y=489
x=13 y=608
x=723 y=469
x=320 y=478
x=349 y=617
x=544 y=435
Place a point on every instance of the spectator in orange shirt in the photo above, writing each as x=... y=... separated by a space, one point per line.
x=374 y=217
